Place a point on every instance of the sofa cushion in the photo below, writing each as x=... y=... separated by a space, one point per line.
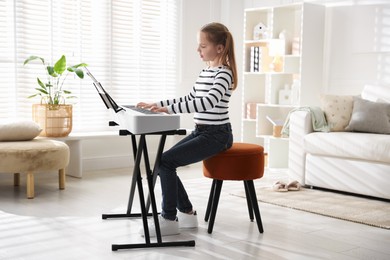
x=338 y=110
x=352 y=145
x=370 y=117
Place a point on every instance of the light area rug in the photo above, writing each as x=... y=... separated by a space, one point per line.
x=347 y=207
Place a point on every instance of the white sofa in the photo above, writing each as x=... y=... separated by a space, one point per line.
x=355 y=162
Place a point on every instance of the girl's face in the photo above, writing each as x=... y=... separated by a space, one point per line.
x=208 y=51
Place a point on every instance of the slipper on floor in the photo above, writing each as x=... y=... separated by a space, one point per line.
x=293 y=186
x=280 y=186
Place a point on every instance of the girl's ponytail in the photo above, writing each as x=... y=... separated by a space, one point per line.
x=218 y=33
x=230 y=59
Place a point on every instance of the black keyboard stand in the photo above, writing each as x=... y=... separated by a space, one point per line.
x=140 y=151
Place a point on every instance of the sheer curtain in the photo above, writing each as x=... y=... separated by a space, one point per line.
x=130 y=46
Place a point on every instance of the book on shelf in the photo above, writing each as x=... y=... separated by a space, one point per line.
x=255 y=59
x=251 y=110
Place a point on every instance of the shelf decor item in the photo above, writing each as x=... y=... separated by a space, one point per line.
x=277 y=49
x=260 y=31
x=296 y=46
x=277 y=64
x=53 y=115
x=285 y=95
x=277 y=126
x=295 y=92
x=251 y=110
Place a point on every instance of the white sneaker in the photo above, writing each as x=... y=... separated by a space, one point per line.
x=167 y=227
x=187 y=220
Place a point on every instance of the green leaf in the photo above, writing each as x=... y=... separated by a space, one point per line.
x=66 y=91
x=38 y=94
x=80 y=65
x=80 y=73
x=33 y=58
x=41 y=83
x=60 y=65
x=51 y=72
x=42 y=90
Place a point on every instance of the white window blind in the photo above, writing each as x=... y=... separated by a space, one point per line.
x=130 y=47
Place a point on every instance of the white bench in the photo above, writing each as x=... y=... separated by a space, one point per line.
x=74 y=141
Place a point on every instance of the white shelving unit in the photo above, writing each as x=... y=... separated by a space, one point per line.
x=290 y=51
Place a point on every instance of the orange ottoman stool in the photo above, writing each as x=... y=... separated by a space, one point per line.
x=242 y=162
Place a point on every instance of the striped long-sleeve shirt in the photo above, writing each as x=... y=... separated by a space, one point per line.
x=208 y=99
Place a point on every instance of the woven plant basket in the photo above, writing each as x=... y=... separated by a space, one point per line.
x=55 y=120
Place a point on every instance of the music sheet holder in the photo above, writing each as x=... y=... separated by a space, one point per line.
x=140 y=151
x=107 y=99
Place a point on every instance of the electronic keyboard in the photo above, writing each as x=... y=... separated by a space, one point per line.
x=134 y=119
x=143 y=121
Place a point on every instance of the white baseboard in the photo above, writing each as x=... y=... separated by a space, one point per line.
x=108 y=162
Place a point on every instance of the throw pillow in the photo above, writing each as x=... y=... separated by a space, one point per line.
x=370 y=117
x=337 y=110
x=22 y=130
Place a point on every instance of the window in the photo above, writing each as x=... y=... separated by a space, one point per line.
x=130 y=47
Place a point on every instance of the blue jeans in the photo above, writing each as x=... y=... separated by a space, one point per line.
x=204 y=142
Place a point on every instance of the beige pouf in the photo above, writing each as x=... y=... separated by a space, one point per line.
x=33 y=156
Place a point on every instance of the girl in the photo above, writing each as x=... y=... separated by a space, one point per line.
x=209 y=101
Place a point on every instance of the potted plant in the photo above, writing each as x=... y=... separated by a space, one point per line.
x=53 y=114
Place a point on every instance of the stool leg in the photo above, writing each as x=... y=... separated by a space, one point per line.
x=210 y=202
x=255 y=206
x=61 y=179
x=30 y=185
x=16 y=179
x=248 y=201
x=217 y=193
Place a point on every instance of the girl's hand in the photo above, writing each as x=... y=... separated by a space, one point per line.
x=159 y=109
x=153 y=107
x=146 y=105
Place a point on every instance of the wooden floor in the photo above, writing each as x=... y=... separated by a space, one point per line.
x=68 y=225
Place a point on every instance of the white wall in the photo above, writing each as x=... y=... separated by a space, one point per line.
x=357 y=45
x=357 y=51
